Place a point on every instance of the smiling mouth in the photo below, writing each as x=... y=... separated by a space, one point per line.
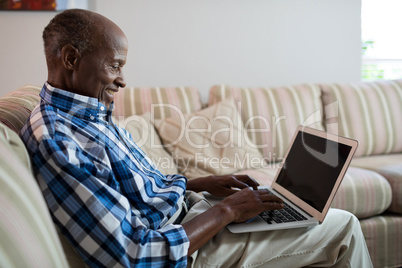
x=111 y=92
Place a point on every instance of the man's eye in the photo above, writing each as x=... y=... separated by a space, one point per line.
x=115 y=68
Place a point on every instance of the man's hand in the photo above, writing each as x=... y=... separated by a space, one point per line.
x=238 y=207
x=222 y=185
x=248 y=203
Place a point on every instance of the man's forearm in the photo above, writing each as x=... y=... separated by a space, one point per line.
x=221 y=185
x=206 y=225
x=238 y=207
x=197 y=185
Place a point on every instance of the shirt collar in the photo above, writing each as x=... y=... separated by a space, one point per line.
x=74 y=103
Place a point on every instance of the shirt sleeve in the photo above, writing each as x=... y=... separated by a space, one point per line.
x=96 y=218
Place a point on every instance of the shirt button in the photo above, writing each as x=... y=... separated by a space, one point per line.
x=92 y=117
x=102 y=108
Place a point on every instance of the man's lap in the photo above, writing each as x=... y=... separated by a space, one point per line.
x=292 y=247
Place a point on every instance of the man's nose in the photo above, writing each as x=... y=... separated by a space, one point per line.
x=120 y=81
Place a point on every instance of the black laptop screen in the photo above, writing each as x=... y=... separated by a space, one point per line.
x=312 y=168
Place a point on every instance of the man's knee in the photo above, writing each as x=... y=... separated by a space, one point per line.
x=340 y=215
x=344 y=221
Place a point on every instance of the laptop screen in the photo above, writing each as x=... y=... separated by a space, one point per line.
x=312 y=167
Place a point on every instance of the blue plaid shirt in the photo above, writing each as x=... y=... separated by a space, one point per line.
x=102 y=190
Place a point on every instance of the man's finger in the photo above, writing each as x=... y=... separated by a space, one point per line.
x=238 y=184
x=248 y=180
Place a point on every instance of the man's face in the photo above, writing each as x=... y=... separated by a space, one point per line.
x=99 y=73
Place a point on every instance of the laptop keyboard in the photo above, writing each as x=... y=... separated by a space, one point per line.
x=287 y=214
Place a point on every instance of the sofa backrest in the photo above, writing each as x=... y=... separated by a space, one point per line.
x=16 y=106
x=370 y=112
x=159 y=102
x=272 y=115
x=136 y=109
x=209 y=142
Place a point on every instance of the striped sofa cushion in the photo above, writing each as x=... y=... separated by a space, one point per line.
x=271 y=115
x=370 y=112
x=16 y=106
x=160 y=102
x=390 y=167
x=363 y=192
x=383 y=236
x=209 y=142
x=27 y=234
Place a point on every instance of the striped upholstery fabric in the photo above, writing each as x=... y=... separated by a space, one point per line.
x=383 y=236
x=16 y=106
x=370 y=112
x=271 y=115
x=27 y=234
x=209 y=142
x=363 y=192
x=389 y=166
x=144 y=135
x=137 y=101
x=13 y=143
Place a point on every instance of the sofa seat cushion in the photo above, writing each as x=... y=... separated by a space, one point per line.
x=16 y=106
x=210 y=141
x=364 y=193
x=144 y=135
x=27 y=234
x=271 y=115
x=160 y=102
x=383 y=236
x=389 y=166
x=369 y=112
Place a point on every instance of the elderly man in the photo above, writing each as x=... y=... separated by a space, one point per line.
x=111 y=203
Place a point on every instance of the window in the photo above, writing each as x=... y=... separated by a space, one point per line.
x=381 y=39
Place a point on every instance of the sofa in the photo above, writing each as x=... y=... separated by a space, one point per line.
x=240 y=130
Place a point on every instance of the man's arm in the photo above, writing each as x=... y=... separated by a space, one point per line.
x=239 y=207
x=97 y=219
x=222 y=185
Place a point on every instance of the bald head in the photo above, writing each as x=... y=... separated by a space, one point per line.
x=85 y=54
x=83 y=29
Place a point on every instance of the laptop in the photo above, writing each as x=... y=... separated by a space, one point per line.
x=310 y=175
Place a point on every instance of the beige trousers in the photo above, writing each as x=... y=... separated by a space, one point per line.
x=337 y=242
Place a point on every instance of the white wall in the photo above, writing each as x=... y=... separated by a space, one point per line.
x=204 y=42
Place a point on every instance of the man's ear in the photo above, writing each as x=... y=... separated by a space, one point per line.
x=69 y=56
